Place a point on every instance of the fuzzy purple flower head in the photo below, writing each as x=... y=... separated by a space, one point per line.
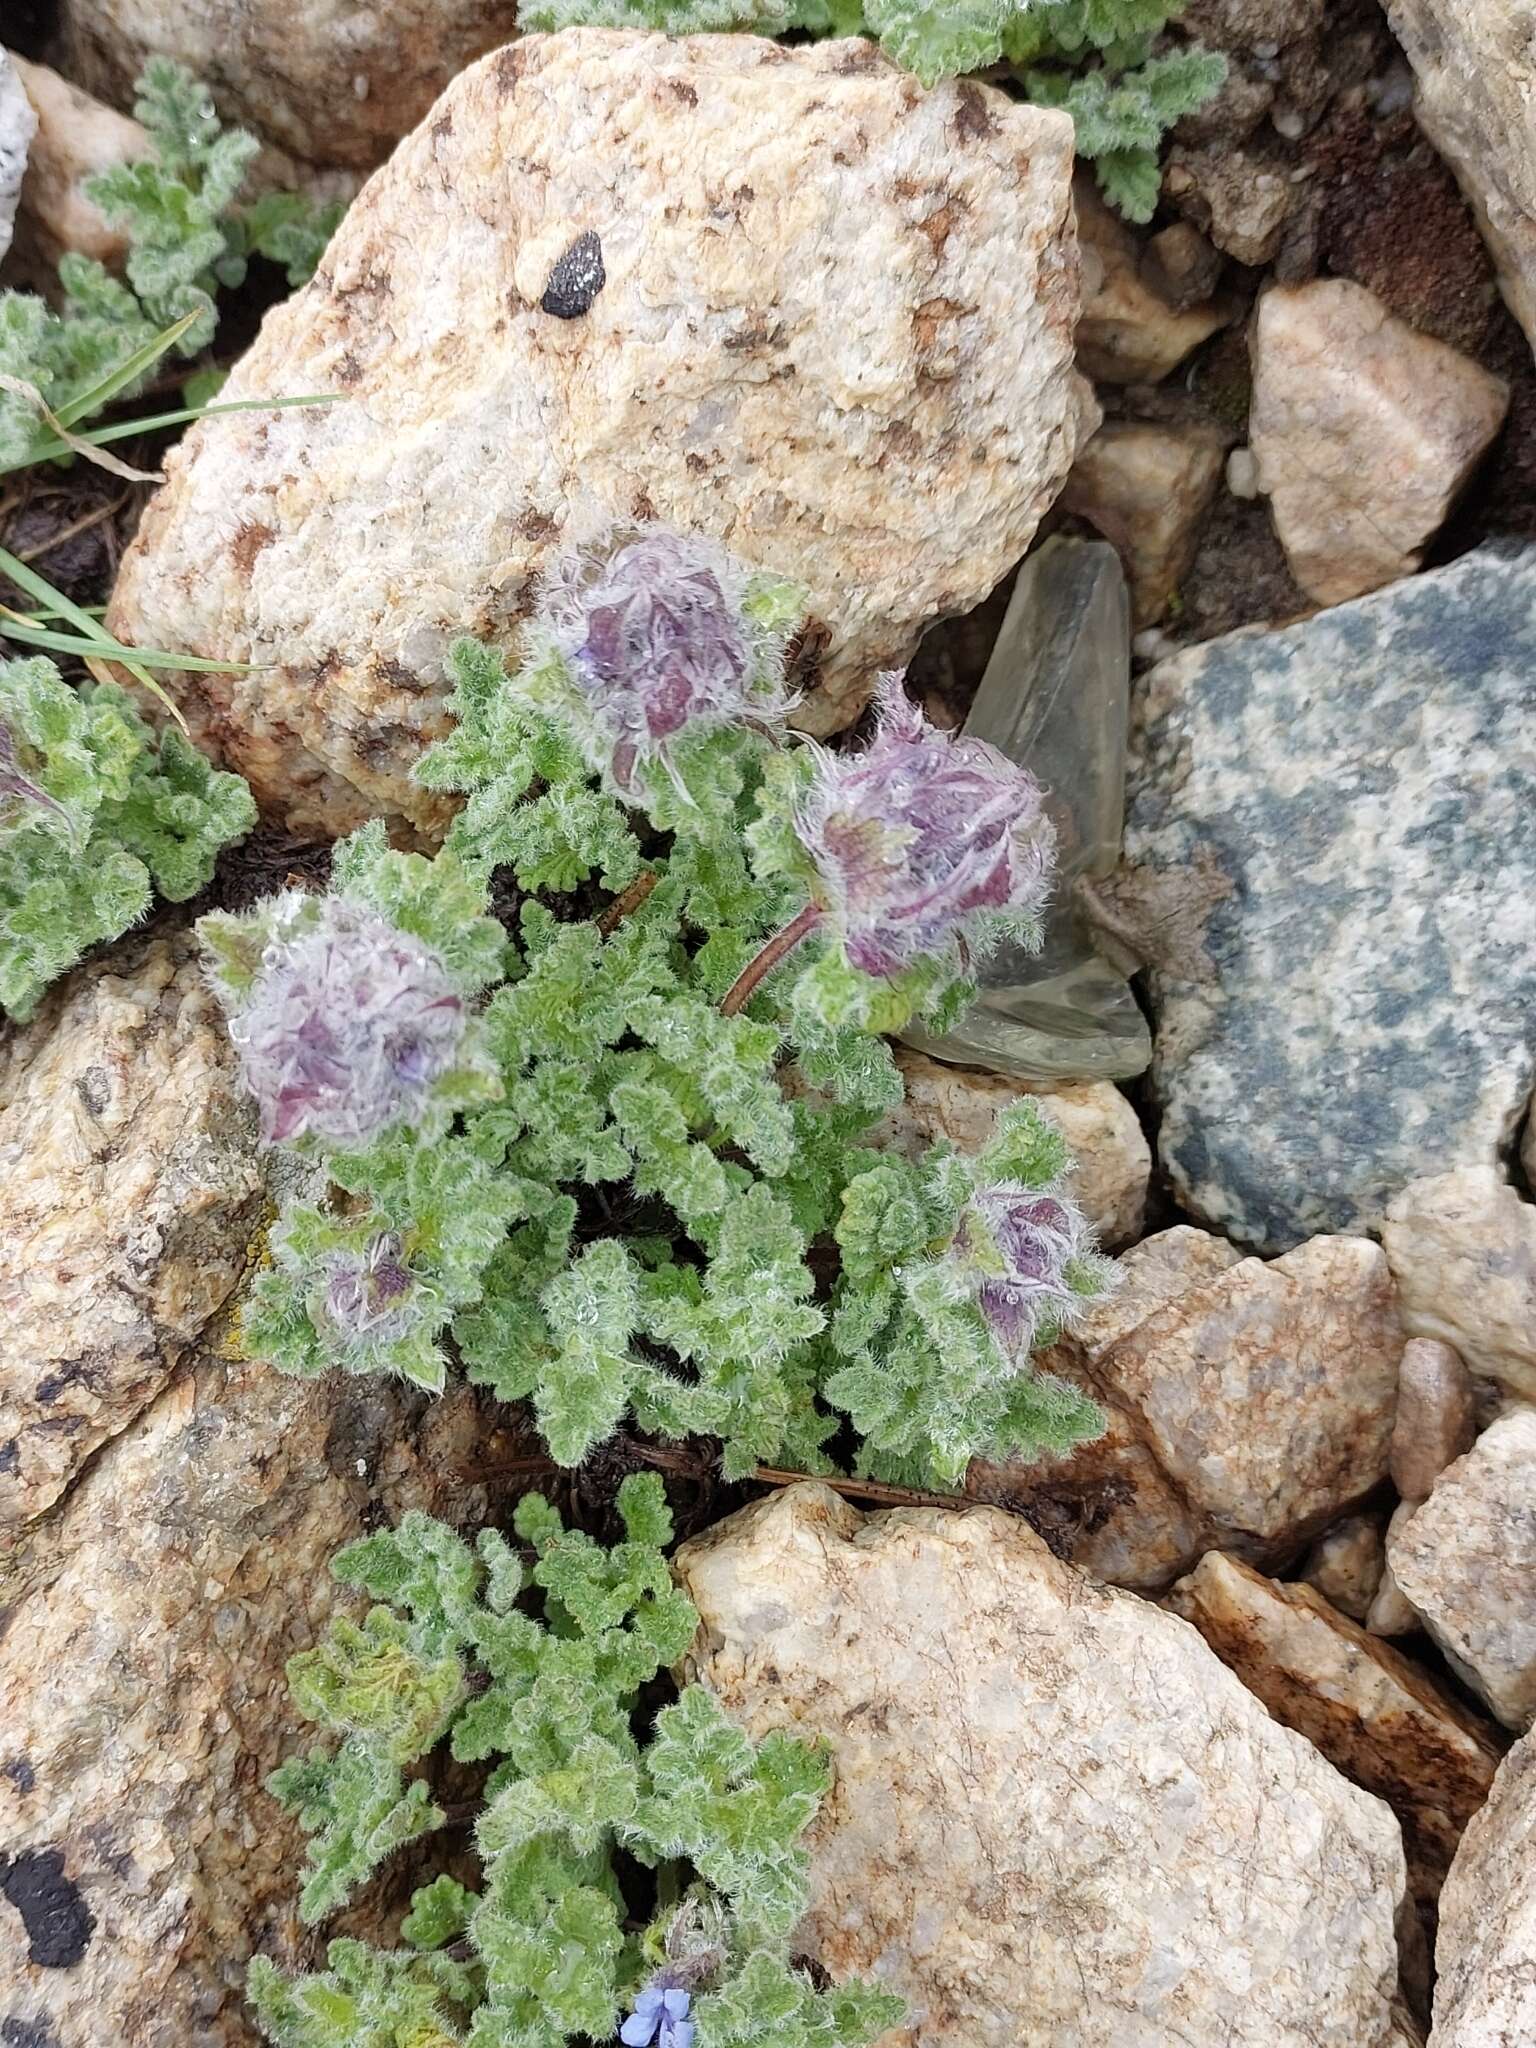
x=1016 y=1246
x=655 y=639
x=371 y=1296
x=919 y=834
x=348 y=1026
x=660 y=2019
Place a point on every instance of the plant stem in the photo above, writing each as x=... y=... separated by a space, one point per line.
x=631 y=900
x=743 y=987
x=865 y=1489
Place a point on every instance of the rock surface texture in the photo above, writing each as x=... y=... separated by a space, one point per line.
x=142 y=1700
x=1365 y=432
x=1379 y=1719
x=834 y=328
x=1147 y=488
x=1477 y=103
x=1349 y=806
x=1467 y=1561
x=76 y=137
x=1486 y=1953
x=1112 y=1159
x=332 y=82
x=1056 y=1821
x=1463 y=1249
x=1249 y=1406
x=129 y=1190
x=18 y=124
x=1436 y=1415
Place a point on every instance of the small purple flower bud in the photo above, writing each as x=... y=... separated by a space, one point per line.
x=347 y=1026
x=18 y=790
x=660 y=2018
x=1015 y=1245
x=655 y=640
x=919 y=833
x=371 y=1296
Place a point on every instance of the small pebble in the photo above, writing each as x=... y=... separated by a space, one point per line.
x=1392 y=1614
x=1243 y=473
x=576 y=279
x=1436 y=1416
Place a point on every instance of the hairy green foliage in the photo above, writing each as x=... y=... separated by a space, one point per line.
x=188 y=238
x=1094 y=58
x=630 y=1216
x=96 y=814
x=531 y=1661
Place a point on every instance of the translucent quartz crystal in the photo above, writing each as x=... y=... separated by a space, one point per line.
x=1055 y=697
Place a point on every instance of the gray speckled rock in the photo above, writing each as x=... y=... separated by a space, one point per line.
x=1357 y=797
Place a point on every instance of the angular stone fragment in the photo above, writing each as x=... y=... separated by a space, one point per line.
x=1111 y=1157
x=1467 y=1561
x=1057 y=1821
x=1346 y=1562
x=1486 y=1953
x=1378 y=1718
x=1130 y=332
x=1436 y=1415
x=1249 y=1406
x=332 y=82
x=18 y=124
x=129 y=1190
x=1477 y=103
x=142 y=1701
x=1391 y=1612
x=1268 y=1394
x=1365 y=432
x=835 y=331
x=1350 y=916
x=1147 y=488
x=1462 y=1247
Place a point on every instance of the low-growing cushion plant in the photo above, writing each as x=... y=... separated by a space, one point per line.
x=1100 y=60
x=528 y=1668
x=96 y=815
x=609 y=1149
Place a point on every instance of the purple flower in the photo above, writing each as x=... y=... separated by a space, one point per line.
x=660 y=2019
x=19 y=788
x=656 y=642
x=348 y=1025
x=371 y=1296
x=919 y=833
x=1016 y=1244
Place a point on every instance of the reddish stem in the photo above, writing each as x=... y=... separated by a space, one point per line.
x=742 y=989
x=631 y=900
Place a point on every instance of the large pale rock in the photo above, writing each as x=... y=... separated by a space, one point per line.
x=1348 y=922
x=834 y=328
x=18 y=124
x=129 y=1190
x=1147 y=489
x=1248 y=1407
x=1057 y=1821
x=1463 y=1249
x=142 y=1700
x=1467 y=1561
x=1477 y=103
x=1486 y=1953
x=1112 y=1160
x=332 y=82
x=1436 y=1415
x=1365 y=432
x=1135 y=329
x=1378 y=1718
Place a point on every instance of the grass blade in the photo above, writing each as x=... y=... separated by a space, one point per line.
x=129 y=371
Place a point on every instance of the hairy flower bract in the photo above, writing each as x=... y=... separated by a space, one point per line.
x=918 y=834
x=347 y=1026
x=656 y=642
x=1017 y=1246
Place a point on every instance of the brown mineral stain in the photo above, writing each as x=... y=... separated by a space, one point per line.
x=250 y=538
